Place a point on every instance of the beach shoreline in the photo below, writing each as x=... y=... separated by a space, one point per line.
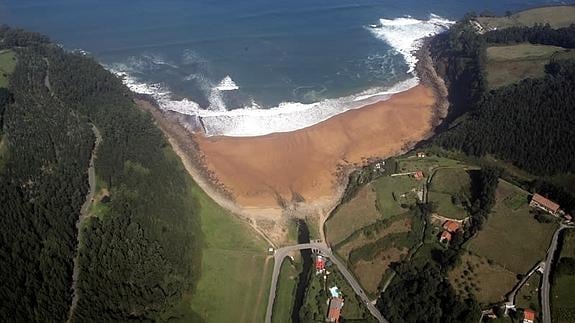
x=269 y=179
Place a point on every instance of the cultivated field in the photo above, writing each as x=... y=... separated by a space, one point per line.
x=512 y=237
x=7 y=65
x=484 y=279
x=236 y=271
x=557 y=17
x=285 y=292
x=563 y=289
x=353 y=215
x=510 y=64
x=450 y=190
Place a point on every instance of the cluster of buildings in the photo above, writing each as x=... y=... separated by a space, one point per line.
x=449 y=228
x=545 y=204
x=335 y=300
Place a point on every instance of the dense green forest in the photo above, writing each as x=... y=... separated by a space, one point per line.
x=142 y=253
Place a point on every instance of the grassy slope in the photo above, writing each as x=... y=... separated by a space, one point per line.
x=488 y=282
x=287 y=284
x=561 y=16
x=512 y=238
x=392 y=192
x=563 y=290
x=7 y=65
x=528 y=296
x=444 y=184
x=352 y=216
x=510 y=64
x=235 y=275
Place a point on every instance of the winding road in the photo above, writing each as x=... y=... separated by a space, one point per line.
x=545 y=283
x=279 y=257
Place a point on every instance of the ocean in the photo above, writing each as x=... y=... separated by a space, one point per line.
x=252 y=67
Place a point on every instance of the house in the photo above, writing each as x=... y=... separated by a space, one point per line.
x=319 y=264
x=445 y=237
x=420 y=154
x=528 y=316
x=544 y=204
x=451 y=226
x=418 y=175
x=335 y=306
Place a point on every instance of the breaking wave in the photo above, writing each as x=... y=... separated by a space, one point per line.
x=403 y=34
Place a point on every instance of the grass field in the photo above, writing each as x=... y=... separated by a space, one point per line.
x=446 y=183
x=510 y=64
x=412 y=164
x=235 y=271
x=7 y=65
x=528 y=295
x=512 y=237
x=488 y=282
x=561 y=16
x=395 y=192
x=285 y=292
x=353 y=215
x=400 y=225
x=563 y=289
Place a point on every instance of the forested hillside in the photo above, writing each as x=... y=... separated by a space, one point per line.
x=529 y=124
x=142 y=252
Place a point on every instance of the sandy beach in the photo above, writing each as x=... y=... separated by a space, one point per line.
x=274 y=170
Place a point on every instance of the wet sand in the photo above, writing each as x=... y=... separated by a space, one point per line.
x=309 y=165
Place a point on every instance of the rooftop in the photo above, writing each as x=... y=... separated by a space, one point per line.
x=451 y=226
x=545 y=202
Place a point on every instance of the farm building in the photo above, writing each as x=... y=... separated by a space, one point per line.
x=418 y=175
x=420 y=154
x=544 y=204
x=445 y=237
x=528 y=316
x=451 y=226
x=319 y=264
x=334 y=312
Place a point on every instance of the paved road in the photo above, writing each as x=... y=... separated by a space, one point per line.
x=546 y=284
x=513 y=294
x=279 y=257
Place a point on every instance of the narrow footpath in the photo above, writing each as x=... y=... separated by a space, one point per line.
x=83 y=215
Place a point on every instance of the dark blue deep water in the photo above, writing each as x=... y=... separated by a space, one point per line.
x=274 y=50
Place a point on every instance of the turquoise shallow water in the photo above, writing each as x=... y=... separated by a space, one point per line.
x=275 y=51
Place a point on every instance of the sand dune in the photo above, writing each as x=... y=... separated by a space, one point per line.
x=261 y=172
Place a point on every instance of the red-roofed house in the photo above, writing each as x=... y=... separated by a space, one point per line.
x=335 y=306
x=545 y=204
x=451 y=226
x=445 y=236
x=418 y=175
x=528 y=316
x=319 y=263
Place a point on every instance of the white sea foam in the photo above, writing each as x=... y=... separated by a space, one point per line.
x=227 y=84
x=404 y=34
